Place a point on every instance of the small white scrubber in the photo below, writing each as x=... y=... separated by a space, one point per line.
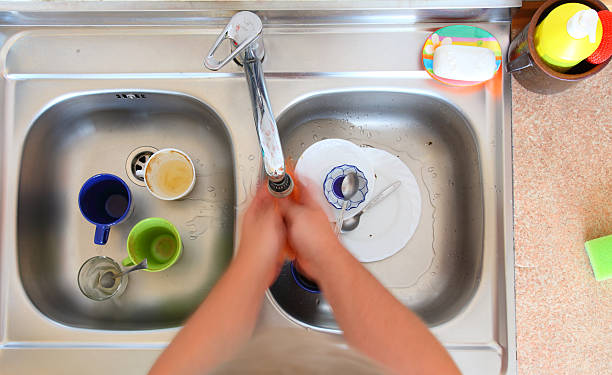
x=464 y=63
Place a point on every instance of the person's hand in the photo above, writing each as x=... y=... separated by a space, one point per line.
x=309 y=232
x=263 y=236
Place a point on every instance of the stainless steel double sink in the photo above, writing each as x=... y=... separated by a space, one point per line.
x=83 y=100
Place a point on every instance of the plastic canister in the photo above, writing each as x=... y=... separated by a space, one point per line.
x=570 y=33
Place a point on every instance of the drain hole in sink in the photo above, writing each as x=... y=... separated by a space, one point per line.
x=136 y=162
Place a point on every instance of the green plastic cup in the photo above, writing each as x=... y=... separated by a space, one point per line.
x=155 y=239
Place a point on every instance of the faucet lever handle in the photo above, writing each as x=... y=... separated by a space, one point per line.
x=242 y=30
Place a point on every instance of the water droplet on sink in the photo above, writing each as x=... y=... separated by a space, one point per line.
x=211 y=189
x=302 y=144
x=315 y=137
x=398 y=139
x=251 y=157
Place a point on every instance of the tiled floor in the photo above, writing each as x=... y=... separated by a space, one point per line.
x=563 y=196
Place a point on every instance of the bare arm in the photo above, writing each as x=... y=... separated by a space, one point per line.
x=378 y=324
x=373 y=321
x=226 y=319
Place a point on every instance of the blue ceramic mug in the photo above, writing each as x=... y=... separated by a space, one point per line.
x=105 y=200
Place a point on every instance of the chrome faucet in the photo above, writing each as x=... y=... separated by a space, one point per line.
x=245 y=34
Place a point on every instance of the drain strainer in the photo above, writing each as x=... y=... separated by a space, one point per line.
x=135 y=163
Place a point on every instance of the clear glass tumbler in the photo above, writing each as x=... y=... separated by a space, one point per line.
x=97 y=281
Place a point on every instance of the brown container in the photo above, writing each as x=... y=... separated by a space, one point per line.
x=531 y=71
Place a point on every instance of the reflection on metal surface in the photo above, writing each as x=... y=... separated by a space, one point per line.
x=245 y=34
x=454 y=231
x=52 y=237
x=353 y=74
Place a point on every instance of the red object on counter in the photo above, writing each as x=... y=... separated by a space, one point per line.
x=604 y=51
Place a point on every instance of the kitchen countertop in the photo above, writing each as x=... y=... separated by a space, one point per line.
x=562 y=197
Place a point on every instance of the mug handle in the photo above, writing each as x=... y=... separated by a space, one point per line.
x=520 y=63
x=127 y=262
x=101 y=236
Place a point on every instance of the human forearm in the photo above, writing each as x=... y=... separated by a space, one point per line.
x=220 y=326
x=376 y=323
x=372 y=319
x=226 y=319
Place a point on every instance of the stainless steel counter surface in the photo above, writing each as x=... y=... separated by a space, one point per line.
x=50 y=57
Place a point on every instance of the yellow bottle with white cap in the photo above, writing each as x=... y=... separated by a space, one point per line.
x=568 y=35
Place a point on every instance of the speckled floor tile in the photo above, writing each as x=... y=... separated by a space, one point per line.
x=563 y=197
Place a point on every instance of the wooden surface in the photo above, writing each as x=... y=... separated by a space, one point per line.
x=522 y=17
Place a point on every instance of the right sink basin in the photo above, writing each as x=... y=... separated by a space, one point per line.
x=438 y=270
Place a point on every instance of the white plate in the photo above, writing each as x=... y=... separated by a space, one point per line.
x=386 y=228
x=330 y=155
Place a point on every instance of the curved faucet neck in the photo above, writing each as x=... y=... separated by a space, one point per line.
x=267 y=131
x=245 y=32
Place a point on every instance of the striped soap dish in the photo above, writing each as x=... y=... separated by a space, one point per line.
x=459 y=35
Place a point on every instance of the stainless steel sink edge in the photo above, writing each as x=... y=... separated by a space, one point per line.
x=237 y=177
x=17 y=294
x=17 y=336
x=510 y=359
x=495 y=187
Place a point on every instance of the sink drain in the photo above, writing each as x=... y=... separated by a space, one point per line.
x=135 y=163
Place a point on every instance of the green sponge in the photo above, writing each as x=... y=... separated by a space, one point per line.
x=600 y=254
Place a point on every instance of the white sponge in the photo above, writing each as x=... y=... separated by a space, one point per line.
x=464 y=63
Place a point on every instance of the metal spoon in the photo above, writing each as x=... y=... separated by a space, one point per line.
x=107 y=280
x=352 y=222
x=349 y=187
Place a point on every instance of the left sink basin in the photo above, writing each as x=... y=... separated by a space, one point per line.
x=84 y=134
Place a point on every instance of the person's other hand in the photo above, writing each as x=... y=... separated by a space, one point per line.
x=309 y=231
x=263 y=236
